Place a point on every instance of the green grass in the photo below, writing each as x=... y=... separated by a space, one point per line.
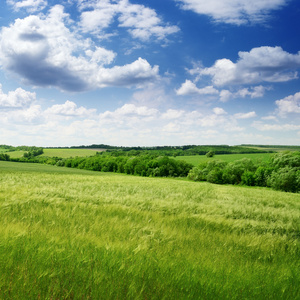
x=197 y=159
x=65 y=153
x=16 y=154
x=75 y=234
x=58 y=152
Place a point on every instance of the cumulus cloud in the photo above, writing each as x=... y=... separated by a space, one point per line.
x=70 y=108
x=172 y=114
x=26 y=116
x=219 y=111
x=189 y=88
x=235 y=12
x=262 y=64
x=44 y=52
x=290 y=104
x=253 y=92
x=248 y=115
x=131 y=124
x=141 y=22
x=275 y=127
x=16 y=99
x=29 y=5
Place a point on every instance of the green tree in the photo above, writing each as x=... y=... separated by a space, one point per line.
x=210 y=154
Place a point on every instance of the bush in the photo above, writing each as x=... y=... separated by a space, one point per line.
x=285 y=179
x=248 y=178
x=210 y=154
x=4 y=156
x=262 y=175
x=215 y=176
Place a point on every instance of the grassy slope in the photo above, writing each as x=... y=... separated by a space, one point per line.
x=75 y=234
x=197 y=159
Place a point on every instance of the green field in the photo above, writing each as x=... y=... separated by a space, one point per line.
x=16 y=154
x=65 y=153
x=197 y=159
x=75 y=234
x=58 y=152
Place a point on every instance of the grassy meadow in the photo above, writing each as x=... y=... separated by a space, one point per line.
x=65 y=153
x=75 y=234
x=58 y=152
x=197 y=159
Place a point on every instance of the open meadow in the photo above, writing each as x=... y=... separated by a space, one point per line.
x=76 y=234
x=197 y=159
x=57 y=152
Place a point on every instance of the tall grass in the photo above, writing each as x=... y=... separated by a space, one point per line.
x=75 y=234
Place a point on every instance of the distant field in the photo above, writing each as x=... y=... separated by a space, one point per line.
x=16 y=154
x=65 y=153
x=197 y=159
x=274 y=148
x=75 y=234
x=57 y=152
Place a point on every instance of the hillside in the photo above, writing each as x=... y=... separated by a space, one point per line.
x=72 y=234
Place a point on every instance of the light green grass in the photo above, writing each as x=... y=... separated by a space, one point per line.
x=197 y=159
x=58 y=152
x=75 y=234
x=65 y=153
x=16 y=154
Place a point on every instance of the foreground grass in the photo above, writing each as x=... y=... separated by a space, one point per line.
x=197 y=159
x=75 y=234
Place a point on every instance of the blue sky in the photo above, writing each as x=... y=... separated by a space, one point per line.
x=146 y=73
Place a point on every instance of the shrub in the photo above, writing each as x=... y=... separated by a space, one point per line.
x=210 y=154
x=248 y=178
x=285 y=179
x=215 y=176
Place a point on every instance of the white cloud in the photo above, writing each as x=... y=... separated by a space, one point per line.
x=189 y=88
x=16 y=99
x=219 y=111
x=225 y=95
x=235 y=12
x=253 y=92
x=26 y=116
x=290 y=104
x=70 y=108
x=269 y=118
x=173 y=114
x=263 y=64
x=248 y=115
x=275 y=127
x=141 y=22
x=44 y=52
x=29 y=5
x=101 y=56
x=131 y=109
x=69 y=124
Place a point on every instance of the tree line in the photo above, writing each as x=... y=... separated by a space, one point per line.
x=282 y=172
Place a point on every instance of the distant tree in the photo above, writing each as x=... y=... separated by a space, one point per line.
x=210 y=154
